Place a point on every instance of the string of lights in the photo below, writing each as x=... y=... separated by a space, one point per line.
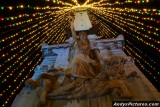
x=32 y=38
x=140 y=24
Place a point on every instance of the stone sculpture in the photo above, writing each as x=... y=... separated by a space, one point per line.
x=85 y=77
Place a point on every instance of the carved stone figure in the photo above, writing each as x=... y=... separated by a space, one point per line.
x=78 y=86
x=85 y=77
x=81 y=63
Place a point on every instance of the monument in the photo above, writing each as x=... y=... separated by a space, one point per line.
x=85 y=71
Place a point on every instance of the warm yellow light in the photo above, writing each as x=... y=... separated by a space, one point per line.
x=10 y=8
x=147 y=0
x=76 y=2
x=21 y=6
x=154 y=9
x=86 y=2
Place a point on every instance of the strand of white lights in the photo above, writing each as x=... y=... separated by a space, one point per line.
x=63 y=3
x=86 y=2
x=98 y=3
x=76 y=2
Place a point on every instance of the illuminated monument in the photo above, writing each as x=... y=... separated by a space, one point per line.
x=108 y=73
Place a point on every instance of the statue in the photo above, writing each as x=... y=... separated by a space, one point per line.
x=81 y=63
x=79 y=87
x=85 y=77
